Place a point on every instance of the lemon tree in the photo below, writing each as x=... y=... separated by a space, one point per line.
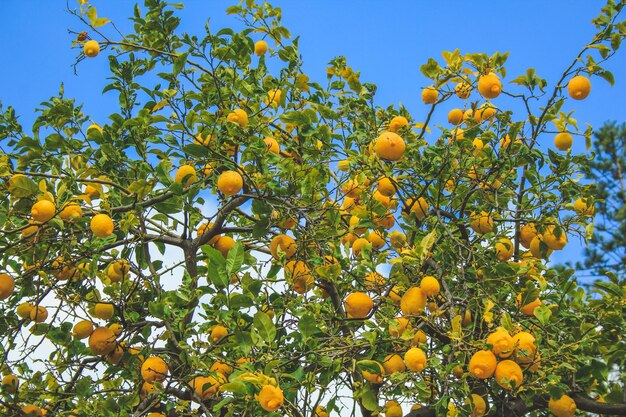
x=240 y=238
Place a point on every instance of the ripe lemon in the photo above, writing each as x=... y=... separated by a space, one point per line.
x=401 y=324
x=525 y=347
x=10 y=383
x=393 y=409
x=260 y=48
x=482 y=364
x=486 y=112
x=270 y=398
x=43 y=210
x=7 y=286
x=430 y=286
x=39 y=314
x=92 y=192
x=154 y=369
x=489 y=85
x=583 y=208
x=415 y=359
x=376 y=239
x=455 y=116
x=230 y=182
x=118 y=270
x=538 y=248
x=116 y=328
x=71 y=211
x=91 y=48
x=555 y=238
x=101 y=225
x=358 y=305
x=218 y=332
x=375 y=378
x=419 y=338
x=186 y=175
x=23 y=310
x=222 y=368
x=508 y=374
x=272 y=145
x=104 y=311
x=481 y=223
x=397 y=123
x=419 y=207
x=579 y=87
x=429 y=95
x=223 y=245
x=358 y=245
x=83 y=329
x=478 y=405
x=562 y=407
x=563 y=141
x=374 y=281
x=413 y=301
x=526 y=234
x=273 y=98
x=286 y=244
x=102 y=341
x=238 y=116
x=386 y=186
x=389 y=146
x=393 y=363
x=206 y=387
x=504 y=249
x=32 y=410
x=501 y=342
x=528 y=309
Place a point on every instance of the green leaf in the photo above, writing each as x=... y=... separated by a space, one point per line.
x=21 y=186
x=264 y=326
x=369 y=400
x=543 y=314
x=608 y=76
x=307 y=325
x=236 y=387
x=234 y=259
x=216 y=266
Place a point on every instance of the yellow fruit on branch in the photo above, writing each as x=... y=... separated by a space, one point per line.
x=463 y=90
x=489 y=85
x=501 y=342
x=525 y=347
x=91 y=48
x=508 y=374
x=393 y=363
x=272 y=145
x=218 y=332
x=39 y=314
x=455 y=116
x=430 y=286
x=389 y=146
x=397 y=123
x=239 y=117
x=270 y=398
x=23 y=310
x=413 y=302
x=579 y=87
x=481 y=223
x=260 y=48
x=504 y=249
x=285 y=244
x=154 y=369
x=10 y=383
x=415 y=359
x=430 y=95
x=555 y=237
x=563 y=141
x=527 y=309
x=206 y=387
x=104 y=311
x=7 y=286
x=32 y=410
x=478 y=406
x=102 y=341
x=393 y=409
x=564 y=406
x=224 y=244
x=43 y=210
x=101 y=225
x=375 y=377
x=584 y=207
x=358 y=305
x=186 y=175
x=482 y=364
x=419 y=207
x=71 y=211
x=83 y=329
x=526 y=234
x=230 y=182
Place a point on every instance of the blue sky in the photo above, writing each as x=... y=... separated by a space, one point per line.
x=386 y=41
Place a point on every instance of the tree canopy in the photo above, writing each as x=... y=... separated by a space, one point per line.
x=238 y=239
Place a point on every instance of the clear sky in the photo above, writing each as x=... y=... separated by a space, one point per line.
x=386 y=41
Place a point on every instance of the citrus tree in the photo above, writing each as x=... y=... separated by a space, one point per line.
x=237 y=239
